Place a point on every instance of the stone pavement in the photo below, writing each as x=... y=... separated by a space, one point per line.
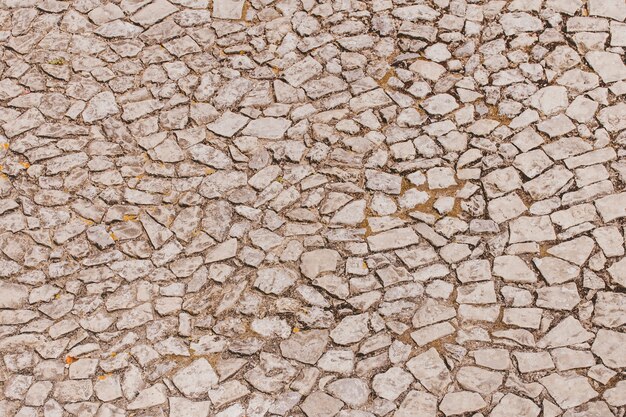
x=320 y=208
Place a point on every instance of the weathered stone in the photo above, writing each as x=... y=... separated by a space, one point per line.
x=319 y=261
x=305 y=346
x=195 y=380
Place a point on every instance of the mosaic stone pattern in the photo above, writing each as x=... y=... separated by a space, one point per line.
x=312 y=208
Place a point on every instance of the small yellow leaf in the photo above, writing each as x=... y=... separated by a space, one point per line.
x=113 y=236
x=296 y=330
x=25 y=164
x=129 y=217
x=209 y=171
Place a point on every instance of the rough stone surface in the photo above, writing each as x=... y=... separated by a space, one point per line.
x=383 y=208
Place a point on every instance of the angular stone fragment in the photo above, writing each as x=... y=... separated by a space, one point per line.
x=568 y=391
x=609 y=346
x=567 y=332
x=558 y=297
x=550 y=100
x=228 y=392
x=417 y=404
x=439 y=178
x=222 y=251
x=351 y=329
x=28 y=120
x=351 y=214
x=393 y=239
x=372 y=99
x=132 y=269
x=576 y=250
x=267 y=127
x=157 y=234
x=512 y=404
x=118 y=29
x=609 y=66
x=8 y=268
x=228 y=9
x=136 y=110
x=432 y=311
x=12 y=295
x=478 y=293
x=582 y=109
x=474 y=270
x=610 y=309
x=440 y=104
x=182 y=407
x=548 y=183
x=513 y=269
x=73 y=391
x=302 y=71
x=478 y=379
x=416 y=12
x=531 y=229
x=612 y=206
x=275 y=280
x=533 y=361
x=319 y=404
x=461 y=402
x=428 y=334
x=324 y=86
x=392 y=383
x=499 y=182
x=556 y=126
x=149 y=397
x=108 y=388
x=319 y=261
x=610 y=240
x=66 y=163
x=613 y=118
x=228 y=124
x=195 y=380
x=428 y=70
x=136 y=317
x=616 y=396
x=591 y=409
x=519 y=22
x=381 y=181
x=305 y=346
x=430 y=370
x=153 y=12
x=352 y=391
x=506 y=208
x=556 y=271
